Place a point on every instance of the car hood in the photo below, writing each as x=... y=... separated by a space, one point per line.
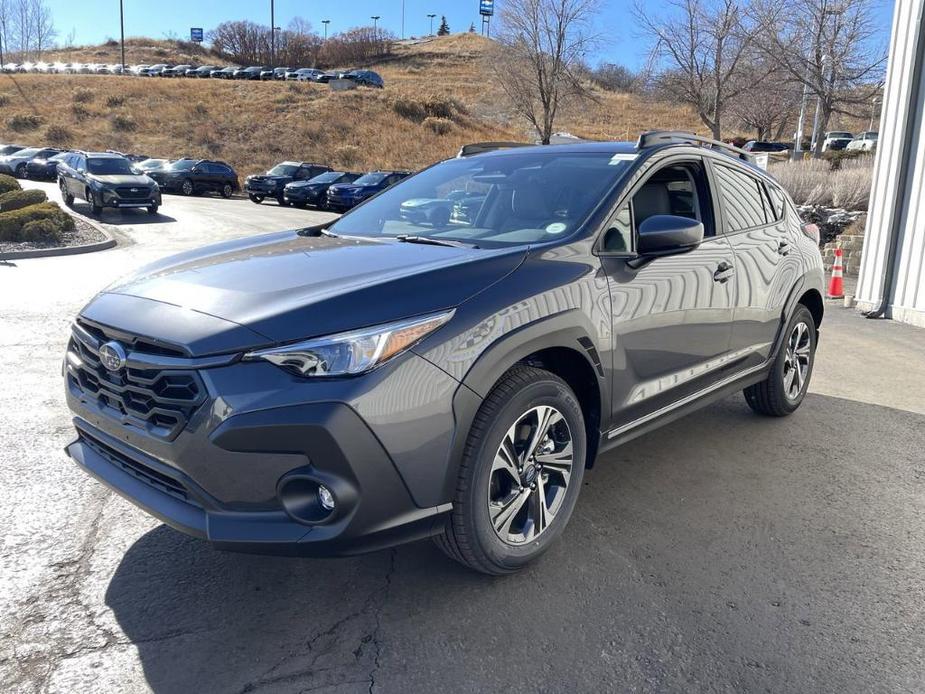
x=350 y=188
x=306 y=185
x=123 y=180
x=266 y=177
x=286 y=286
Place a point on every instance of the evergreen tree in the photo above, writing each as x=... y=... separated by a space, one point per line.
x=444 y=29
x=472 y=28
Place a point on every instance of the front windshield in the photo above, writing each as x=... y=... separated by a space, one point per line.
x=327 y=177
x=514 y=198
x=370 y=179
x=30 y=152
x=283 y=170
x=183 y=165
x=109 y=167
x=840 y=135
x=152 y=164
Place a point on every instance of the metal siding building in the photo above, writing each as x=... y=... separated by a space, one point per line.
x=893 y=263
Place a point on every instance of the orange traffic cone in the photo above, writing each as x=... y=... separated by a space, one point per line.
x=836 y=286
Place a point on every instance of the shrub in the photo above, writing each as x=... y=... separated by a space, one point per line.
x=83 y=95
x=17 y=199
x=812 y=182
x=4 y=100
x=80 y=112
x=201 y=109
x=410 y=109
x=115 y=100
x=8 y=183
x=123 y=122
x=58 y=135
x=347 y=155
x=41 y=231
x=24 y=122
x=441 y=126
x=442 y=106
x=18 y=224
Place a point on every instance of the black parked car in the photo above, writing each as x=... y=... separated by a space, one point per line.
x=371 y=380
x=44 y=168
x=343 y=196
x=366 y=78
x=314 y=192
x=273 y=183
x=249 y=73
x=203 y=71
x=195 y=176
x=105 y=180
x=225 y=73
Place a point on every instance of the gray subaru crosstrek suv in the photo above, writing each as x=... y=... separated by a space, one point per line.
x=376 y=380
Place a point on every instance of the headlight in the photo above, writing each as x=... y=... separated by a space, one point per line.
x=352 y=352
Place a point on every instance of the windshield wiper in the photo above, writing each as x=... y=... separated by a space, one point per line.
x=413 y=238
x=320 y=230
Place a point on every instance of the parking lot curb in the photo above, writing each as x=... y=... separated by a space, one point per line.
x=109 y=242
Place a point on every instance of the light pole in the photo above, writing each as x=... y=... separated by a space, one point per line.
x=431 y=23
x=122 y=35
x=272 y=33
x=325 y=22
x=873 y=110
x=376 y=19
x=403 y=19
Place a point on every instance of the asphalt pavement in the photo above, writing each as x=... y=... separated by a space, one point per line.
x=727 y=552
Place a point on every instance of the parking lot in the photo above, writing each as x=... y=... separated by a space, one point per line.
x=724 y=553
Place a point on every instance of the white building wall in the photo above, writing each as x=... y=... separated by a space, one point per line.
x=897 y=204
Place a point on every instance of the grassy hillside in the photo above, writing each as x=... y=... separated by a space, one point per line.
x=439 y=95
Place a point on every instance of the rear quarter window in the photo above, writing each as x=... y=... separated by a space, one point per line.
x=742 y=197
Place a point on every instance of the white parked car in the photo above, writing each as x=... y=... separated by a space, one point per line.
x=866 y=141
x=305 y=74
x=836 y=139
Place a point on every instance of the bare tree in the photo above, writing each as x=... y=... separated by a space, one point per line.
x=770 y=101
x=43 y=25
x=703 y=46
x=830 y=47
x=28 y=27
x=543 y=45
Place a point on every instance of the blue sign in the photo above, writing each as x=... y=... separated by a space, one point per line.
x=195 y=34
x=487 y=7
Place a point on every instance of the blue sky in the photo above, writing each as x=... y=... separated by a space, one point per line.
x=95 y=20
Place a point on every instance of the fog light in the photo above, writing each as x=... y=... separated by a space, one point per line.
x=326 y=498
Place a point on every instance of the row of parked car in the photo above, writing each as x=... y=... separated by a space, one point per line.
x=119 y=180
x=367 y=78
x=834 y=140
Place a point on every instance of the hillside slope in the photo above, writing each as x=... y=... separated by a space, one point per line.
x=439 y=95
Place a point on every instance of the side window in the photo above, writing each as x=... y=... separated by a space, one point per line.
x=80 y=163
x=743 y=200
x=777 y=201
x=680 y=190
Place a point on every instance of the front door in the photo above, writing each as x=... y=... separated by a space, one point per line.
x=672 y=316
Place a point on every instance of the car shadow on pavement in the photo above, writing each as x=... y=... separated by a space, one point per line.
x=725 y=550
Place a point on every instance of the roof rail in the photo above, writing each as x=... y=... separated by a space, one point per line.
x=481 y=147
x=652 y=138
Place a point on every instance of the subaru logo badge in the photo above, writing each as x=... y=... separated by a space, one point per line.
x=112 y=355
x=134 y=190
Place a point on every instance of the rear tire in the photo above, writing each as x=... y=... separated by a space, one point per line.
x=187 y=187
x=256 y=199
x=781 y=393
x=520 y=474
x=227 y=191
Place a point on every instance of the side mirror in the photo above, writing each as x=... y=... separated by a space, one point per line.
x=666 y=234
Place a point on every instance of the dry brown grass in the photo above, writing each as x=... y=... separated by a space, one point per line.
x=438 y=96
x=813 y=182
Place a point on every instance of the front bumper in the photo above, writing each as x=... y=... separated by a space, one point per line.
x=236 y=465
x=265 y=189
x=303 y=197
x=111 y=199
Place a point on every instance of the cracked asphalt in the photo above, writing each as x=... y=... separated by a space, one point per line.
x=724 y=553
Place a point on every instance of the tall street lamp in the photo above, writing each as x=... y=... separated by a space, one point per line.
x=325 y=22
x=403 y=19
x=122 y=35
x=272 y=33
x=431 y=23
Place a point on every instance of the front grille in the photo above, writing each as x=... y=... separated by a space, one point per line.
x=157 y=401
x=133 y=192
x=139 y=470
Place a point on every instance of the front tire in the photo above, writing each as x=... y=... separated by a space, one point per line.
x=256 y=199
x=68 y=198
x=21 y=171
x=187 y=187
x=781 y=393
x=96 y=209
x=227 y=191
x=152 y=210
x=520 y=475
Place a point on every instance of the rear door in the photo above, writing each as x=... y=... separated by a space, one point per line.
x=671 y=316
x=756 y=225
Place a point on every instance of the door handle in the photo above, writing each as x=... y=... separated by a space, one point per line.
x=783 y=248
x=723 y=272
